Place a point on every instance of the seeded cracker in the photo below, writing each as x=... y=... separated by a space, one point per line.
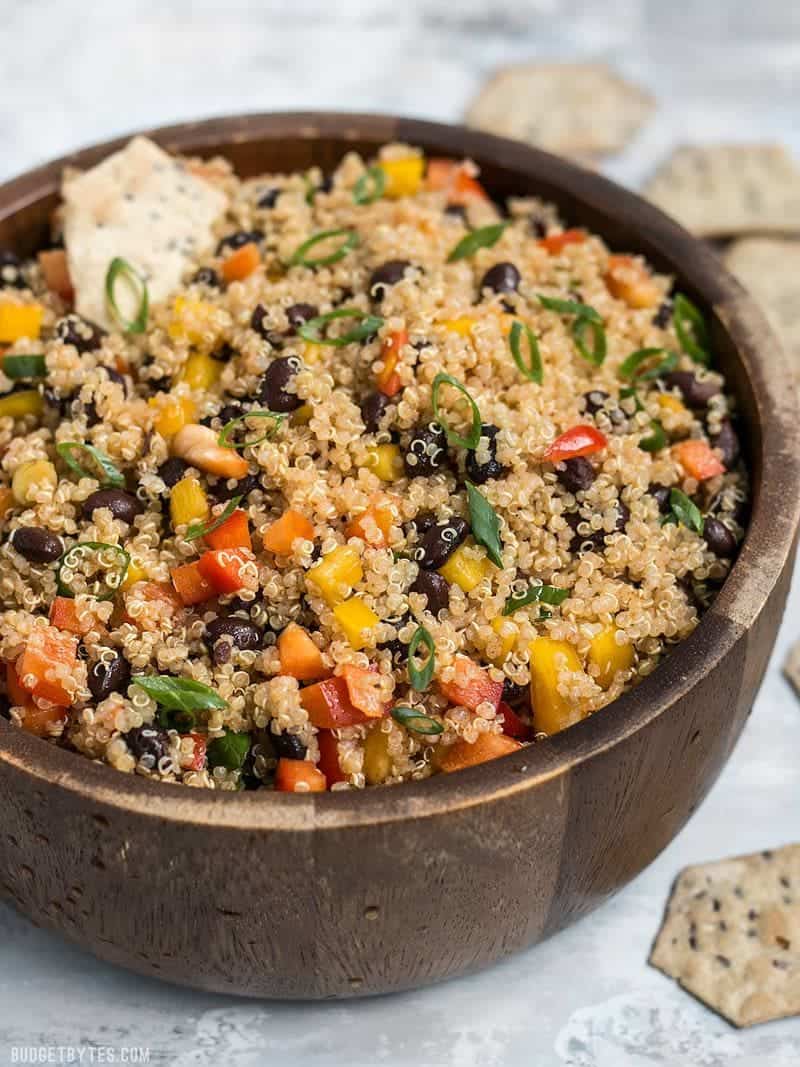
x=770 y=269
x=731 y=935
x=572 y=109
x=142 y=205
x=725 y=190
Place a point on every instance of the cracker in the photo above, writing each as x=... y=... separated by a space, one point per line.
x=731 y=935
x=580 y=109
x=791 y=667
x=726 y=190
x=770 y=269
x=140 y=204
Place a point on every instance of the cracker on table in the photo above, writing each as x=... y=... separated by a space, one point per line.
x=580 y=109
x=725 y=190
x=769 y=267
x=731 y=935
x=143 y=205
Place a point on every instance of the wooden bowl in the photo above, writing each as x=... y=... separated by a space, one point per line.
x=348 y=893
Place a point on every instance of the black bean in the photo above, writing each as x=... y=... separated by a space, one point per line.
x=727 y=441
x=623 y=516
x=273 y=391
x=696 y=393
x=171 y=471
x=289 y=746
x=515 y=694
x=425 y=451
x=435 y=588
x=269 y=198
x=37 y=545
x=537 y=225
x=663 y=315
x=221 y=491
x=11 y=273
x=719 y=538
x=501 y=278
x=458 y=211
x=423 y=522
x=115 y=376
x=258 y=322
x=325 y=185
x=480 y=473
x=232 y=410
x=238 y=239
x=76 y=331
x=206 y=276
x=109 y=676
x=123 y=506
x=595 y=401
x=224 y=354
x=148 y=745
x=398 y=649
x=388 y=274
x=595 y=540
x=243 y=634
x=576 y=474
x=298 y=314
x=440 y=542
x=372 y=411
x=661 y=494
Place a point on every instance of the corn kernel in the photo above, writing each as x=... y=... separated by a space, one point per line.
x=25 y=402
x=357 y=620
x=403 y=176
x=507 y=631
x=135 y=573
x=19 y=320
x=187 y=502
x=548 y=658
x=31 y=475
x=174 y=412
x=377 y=762
x=671 y=403
x=337 y=573
x=465 y=569
x=190 y=321
x=385 y=461
x=608 y=657
x=462 y=326
x=201 y=371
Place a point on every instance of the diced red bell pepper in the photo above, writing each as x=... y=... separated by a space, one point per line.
x=557 y=242
x=451 y=176
x=64 y=616
x=388 y=380
x=234 y=532
x=46 y=650
x=190 y=584
x=471 y=686
x=579 y=441
x=329 y=705
x=199 y=753
x=329 y=758
x=698 y=459
x=225 y=571
x=513 y=726
x=364 y=689
x=299 y=776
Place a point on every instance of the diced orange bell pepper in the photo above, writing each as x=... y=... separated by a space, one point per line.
x=388 y=380
x=280 y=535
x=557 y=242
x=374 y=524
x=228 y=571
x=56 y=273
x=579 y=441
x=234 y=532
x=513 y=726
x=191 y=586
x=199 y=754
x=471 y=686
x=698 y=459
x=487 y=747
x=364 y=689
x=47 y=664
x=64 y=616
x=450 y=176
x=40 y=721
x=241 y=263
x=7 y=501
x=299 y=776
x=300 y=658
x=629 y=280
x=329 y=758
x=329 y=706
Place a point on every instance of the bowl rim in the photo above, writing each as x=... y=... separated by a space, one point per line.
x=767 y=546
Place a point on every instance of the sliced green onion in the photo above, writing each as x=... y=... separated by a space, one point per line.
x=179 y=694
x=635 y=368
x=691 y=329
x=224 y=440
x=109 y=474
x=312 y=331
x=533 y=370
x=656 y=440
x=121 y=268
x=570 y=307
x=485 y=524
x=103 y=589
x=21 y=367
x=416 y=721
x=536 y=594
x=370 y=186
x=597 y=353
x=420 y=677
x=200 y=529
x=485 y=237
x=229 y=751
x=474 y=437
x=685 y=511
x=300 y=259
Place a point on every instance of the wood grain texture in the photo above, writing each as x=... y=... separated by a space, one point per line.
x=345 y=894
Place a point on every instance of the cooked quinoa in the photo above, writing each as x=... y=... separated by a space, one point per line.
x=306 y=561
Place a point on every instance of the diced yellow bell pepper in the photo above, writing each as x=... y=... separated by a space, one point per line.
x=671 y=403
x=187 y=502
x=134 y=574
x=19 y=320
x=464 y=569
x=507 y=631
x=385 y=461
x=357 y=620
x=302 y=416
x=25 y=402
x=190 y=321
x=377 y=762
x=337 y=573
x=174 y=412
x=201 y=371
x=462 y=326
x=403 y=176
x=551 y=711
x=29 y=476
x=609 y=657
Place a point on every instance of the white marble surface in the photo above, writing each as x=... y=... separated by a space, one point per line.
x=71 y=73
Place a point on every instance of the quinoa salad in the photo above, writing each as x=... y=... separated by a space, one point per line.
x=321 y=481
